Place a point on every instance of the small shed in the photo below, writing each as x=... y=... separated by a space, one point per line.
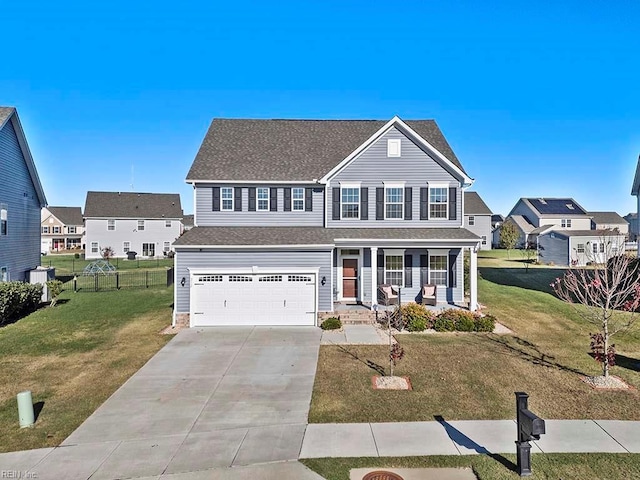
x=42 y=275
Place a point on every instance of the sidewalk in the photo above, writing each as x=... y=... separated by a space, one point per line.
x=465 y=437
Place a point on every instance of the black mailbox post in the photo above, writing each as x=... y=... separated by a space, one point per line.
x=530 y=427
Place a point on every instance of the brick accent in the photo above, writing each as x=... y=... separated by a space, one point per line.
x=182 y=320
x=359 y=317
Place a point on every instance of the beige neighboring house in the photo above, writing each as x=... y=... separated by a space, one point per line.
x=609 y=221
x=61 y=229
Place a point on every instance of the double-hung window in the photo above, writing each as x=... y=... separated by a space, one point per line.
x=350 y=201
x=56 y=229
x=126 y=246
x=71 y=229
x=3 y=219
x=581 y=248
x=393 y=201
x=166 y=246
x=565 y=223
x=111 y=225
x=472 y=220
x=263 y=199
x=394 y=268
x=167 y=223
x=438 y=269
x=140 y=225
x=226 y=194
x=45 y=229
x=438 y=201
x=94 y=247
x=297 y=197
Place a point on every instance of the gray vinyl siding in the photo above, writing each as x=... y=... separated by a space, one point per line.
x=20 y=248
x=553 y=248
x=210 y=258
x=481 y=228
x=522 y=209
x=205 y=216
x=414 y=167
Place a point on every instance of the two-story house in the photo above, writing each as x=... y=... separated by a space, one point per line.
x=632 y=220
x=609 y=221
x=21 y=198
x=477 y=218
x=62 y=228
x=145 y=223
x=563 y=231
x=295 y=216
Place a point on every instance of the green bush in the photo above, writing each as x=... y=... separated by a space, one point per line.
x=55 y=289
x=331 y=323
x=444 y=324
x=455 y=320
x=76 y=256
x=465 y=323
x=485 y=324
x=18 y=299
x=415 y=317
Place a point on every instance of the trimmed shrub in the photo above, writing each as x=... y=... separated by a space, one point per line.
x=331 y=323
x=55 y=289
x=415 y=317
x=18 y=299
x=465 y=323
x=444 y=324
x=455 y=320
x=485 y=324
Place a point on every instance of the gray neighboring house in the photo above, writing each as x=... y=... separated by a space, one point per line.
x=187 y=222
x=634 y=231
x=21 y=199
x=496 y=221
x=477 y=218
x=294 y=218
x=145 y=223
x=609 y=221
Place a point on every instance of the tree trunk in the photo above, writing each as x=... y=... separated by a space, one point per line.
x=605 y=336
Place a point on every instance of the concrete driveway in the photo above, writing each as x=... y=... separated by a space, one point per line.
x=212 y=397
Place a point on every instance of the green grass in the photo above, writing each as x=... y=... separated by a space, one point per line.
x=473 y=376
x=584 y=466
x=67 y=264
x=74 y=356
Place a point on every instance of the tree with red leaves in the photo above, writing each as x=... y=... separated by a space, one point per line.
x=606 y=294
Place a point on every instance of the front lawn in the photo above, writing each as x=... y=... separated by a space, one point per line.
x=581 y=466
x=474 y=376
x=74 y=356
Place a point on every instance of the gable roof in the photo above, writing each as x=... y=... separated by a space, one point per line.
x=132 y=205
x=587 y=233
x=291 y=150
x=555 y=206
x=474 y=205
x=187 y=220
x=607 y=217
x=635 y=187
x=521 y=222
x=10 y=114
x=67 y=215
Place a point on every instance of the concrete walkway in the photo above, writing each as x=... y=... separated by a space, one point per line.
x=355 y=335
x=465 y=437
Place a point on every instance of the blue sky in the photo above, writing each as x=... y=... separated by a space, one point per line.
x=536 y=98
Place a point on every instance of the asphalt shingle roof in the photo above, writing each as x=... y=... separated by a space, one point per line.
x=67 y=215
x=607 y=218
x=312 y=235
x=522 y=222
x=5 y=112
x=587 y=233
x=296 y=150
x=132 y=205
x=474 y=205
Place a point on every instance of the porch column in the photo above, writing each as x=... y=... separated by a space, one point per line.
x=374 y=275
x=473 y=279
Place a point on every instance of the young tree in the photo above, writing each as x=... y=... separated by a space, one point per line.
x=529 y=254
x=107 y=253
x=509 y=236
x=607 y=294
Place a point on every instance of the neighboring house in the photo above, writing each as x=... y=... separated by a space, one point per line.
x=294 y=217
x=634 y=231
x=496 y=221
x=187 y=222
x=21 y=198
x=609 y=221
x=62 y=228
x=477 y=218
x=563 y=231
x=145 y=223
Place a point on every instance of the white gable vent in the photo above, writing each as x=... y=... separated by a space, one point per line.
x=393 y=147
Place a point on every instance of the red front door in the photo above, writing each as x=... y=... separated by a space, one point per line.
x=349 y=277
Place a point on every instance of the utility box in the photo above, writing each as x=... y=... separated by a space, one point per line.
x=42 y=275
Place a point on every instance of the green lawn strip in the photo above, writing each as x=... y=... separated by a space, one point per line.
x=582 y=466
x=67 y=264
x=74 y=356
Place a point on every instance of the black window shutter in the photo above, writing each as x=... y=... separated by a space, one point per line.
x=237 y=199
x=252 y=199
x=216 y=199
x=379 y=203
x=380 y=269
x=424 y=269
x=452 y=203
x=308 y=199
x=453 y=269
x=424 y=203
x=364 y=203
x=408 y=199
x=408 y=270
x=287 y=199
x=273 y=198
x=336 y=203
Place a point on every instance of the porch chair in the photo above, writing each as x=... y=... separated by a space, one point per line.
x=387 y=295
x=429 y=294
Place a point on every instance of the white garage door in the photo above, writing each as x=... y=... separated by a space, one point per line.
x=253 y=299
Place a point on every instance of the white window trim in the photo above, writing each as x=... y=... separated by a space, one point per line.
x=293 y=202
x=3 y=271
x=446 y=210
x=394 y=147
x=258 y=199
x=97 y=244
x=387 y=186
x=167 y=223
x=436 y=253
x=138 y=225
x=471 y=220
x=388 y=252
x=355 y=186
x=45 y=229
x=74 y=232
x=154 y=249
x=126 y=249
x=222 y=199
x=166 y=246
x=109 y=224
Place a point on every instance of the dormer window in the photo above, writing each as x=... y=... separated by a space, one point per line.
x=393 y=147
